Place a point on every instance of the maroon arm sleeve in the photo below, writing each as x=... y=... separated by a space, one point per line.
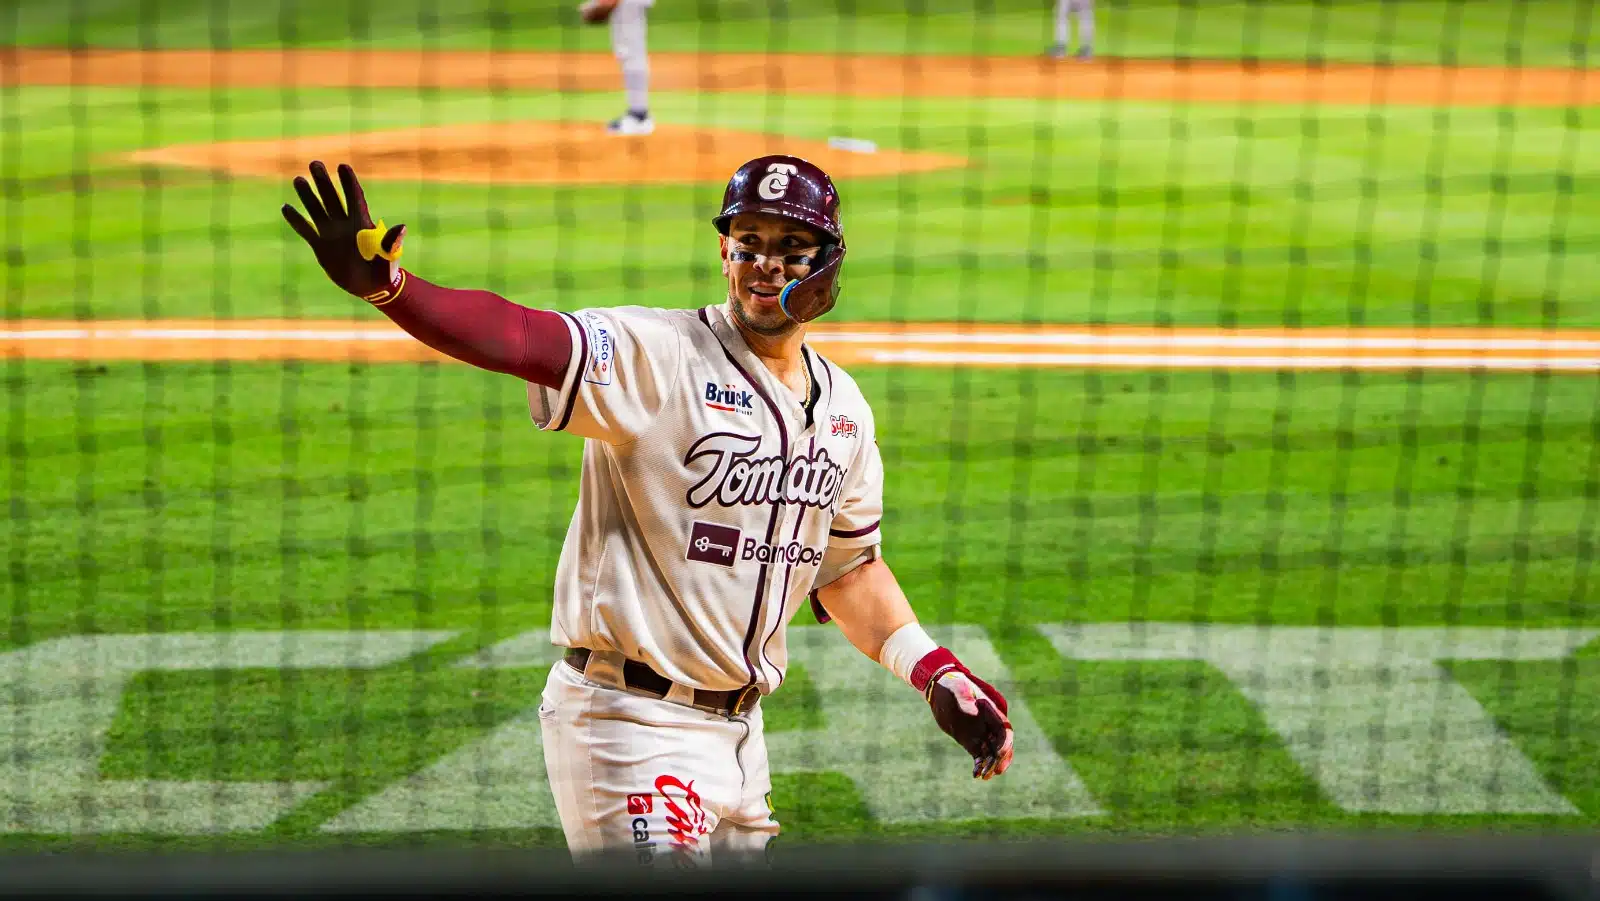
x=484 y=329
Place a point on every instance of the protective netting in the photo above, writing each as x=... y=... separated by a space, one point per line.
x=1234 y=383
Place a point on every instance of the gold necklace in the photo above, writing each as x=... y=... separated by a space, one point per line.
x=805 y=371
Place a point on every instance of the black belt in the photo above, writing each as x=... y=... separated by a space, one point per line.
x=641 y=677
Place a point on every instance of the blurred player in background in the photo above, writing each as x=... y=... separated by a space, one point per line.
x=628 y=20
x=1084 y=10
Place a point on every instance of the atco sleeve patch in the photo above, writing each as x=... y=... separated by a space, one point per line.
x=603 y=350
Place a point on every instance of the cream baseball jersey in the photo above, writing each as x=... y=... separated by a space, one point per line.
x=706 y=500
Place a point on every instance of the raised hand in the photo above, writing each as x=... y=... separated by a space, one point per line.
x=359 y=256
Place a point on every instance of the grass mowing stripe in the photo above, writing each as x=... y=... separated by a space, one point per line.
x=1132 y=498
x=1498 y=32
x=1409 y=196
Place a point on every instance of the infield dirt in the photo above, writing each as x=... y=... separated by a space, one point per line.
x=579 y=153
x=544 y=152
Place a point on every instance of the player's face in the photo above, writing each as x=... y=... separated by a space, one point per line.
x=761 y=253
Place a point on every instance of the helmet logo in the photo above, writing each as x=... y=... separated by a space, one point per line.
x=776 y=182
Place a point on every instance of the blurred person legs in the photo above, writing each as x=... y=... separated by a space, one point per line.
x=653 y=780
x=628 y=26
x=1084 y=11
x=1058 y=50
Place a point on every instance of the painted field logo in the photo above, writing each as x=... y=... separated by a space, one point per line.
x=842 y=426
x=1375 y=718
x=711 y=543
x=729 y=399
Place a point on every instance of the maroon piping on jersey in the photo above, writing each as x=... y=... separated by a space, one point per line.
x=577 y=376
x=855 y=533
x=817 y=610
x=846 y=533
x=772 y=520
x=788 y=570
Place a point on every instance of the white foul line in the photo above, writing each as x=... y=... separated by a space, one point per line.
x=1219 y=340
x=1219 y=361
x=1150 y=344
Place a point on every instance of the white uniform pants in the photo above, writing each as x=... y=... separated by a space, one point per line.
x=665 y=782
x=1084 y=10
x=628 y=26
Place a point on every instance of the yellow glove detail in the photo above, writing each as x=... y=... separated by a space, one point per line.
x=369 y=241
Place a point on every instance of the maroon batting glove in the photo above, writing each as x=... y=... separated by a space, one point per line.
x=968 y=709
x=358 y=256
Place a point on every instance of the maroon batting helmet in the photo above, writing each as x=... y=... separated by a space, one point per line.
x=794 y=188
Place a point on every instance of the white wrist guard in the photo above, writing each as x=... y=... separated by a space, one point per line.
x=908 y=645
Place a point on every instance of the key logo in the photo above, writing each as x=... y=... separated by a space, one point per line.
x=842 y=426
x=640 y=804
x=711 y=543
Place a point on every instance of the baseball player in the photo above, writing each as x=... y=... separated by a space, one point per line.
x=729 y=473
x=1084 y=10
x=628 y=21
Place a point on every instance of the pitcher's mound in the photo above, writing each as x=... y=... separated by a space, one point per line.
x=537 y=153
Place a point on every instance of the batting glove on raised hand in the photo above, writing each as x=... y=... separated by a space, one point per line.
x=968 y=709
x=359 y=256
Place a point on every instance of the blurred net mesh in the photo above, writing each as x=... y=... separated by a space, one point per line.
x=1219 y=388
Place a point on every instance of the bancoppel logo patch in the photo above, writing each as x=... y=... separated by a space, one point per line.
x=842 y=426
x=793 y=553
x=640 y=804
x=729 y=398
x=711 y=543
x=602 y=351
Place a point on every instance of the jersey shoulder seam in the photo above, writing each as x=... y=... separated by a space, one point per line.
x=670 y=396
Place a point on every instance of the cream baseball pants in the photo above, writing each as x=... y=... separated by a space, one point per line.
x=650 y=779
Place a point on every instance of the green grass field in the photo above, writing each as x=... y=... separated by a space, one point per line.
x=395 y=499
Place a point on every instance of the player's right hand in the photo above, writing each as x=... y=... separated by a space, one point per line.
x=359 y=256
x=969 y=710
x=597 y=12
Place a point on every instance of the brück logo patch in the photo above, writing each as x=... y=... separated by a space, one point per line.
x=729 y=398
x=711 y=543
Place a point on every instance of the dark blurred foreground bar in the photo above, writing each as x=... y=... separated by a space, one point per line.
x=1278 y=867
